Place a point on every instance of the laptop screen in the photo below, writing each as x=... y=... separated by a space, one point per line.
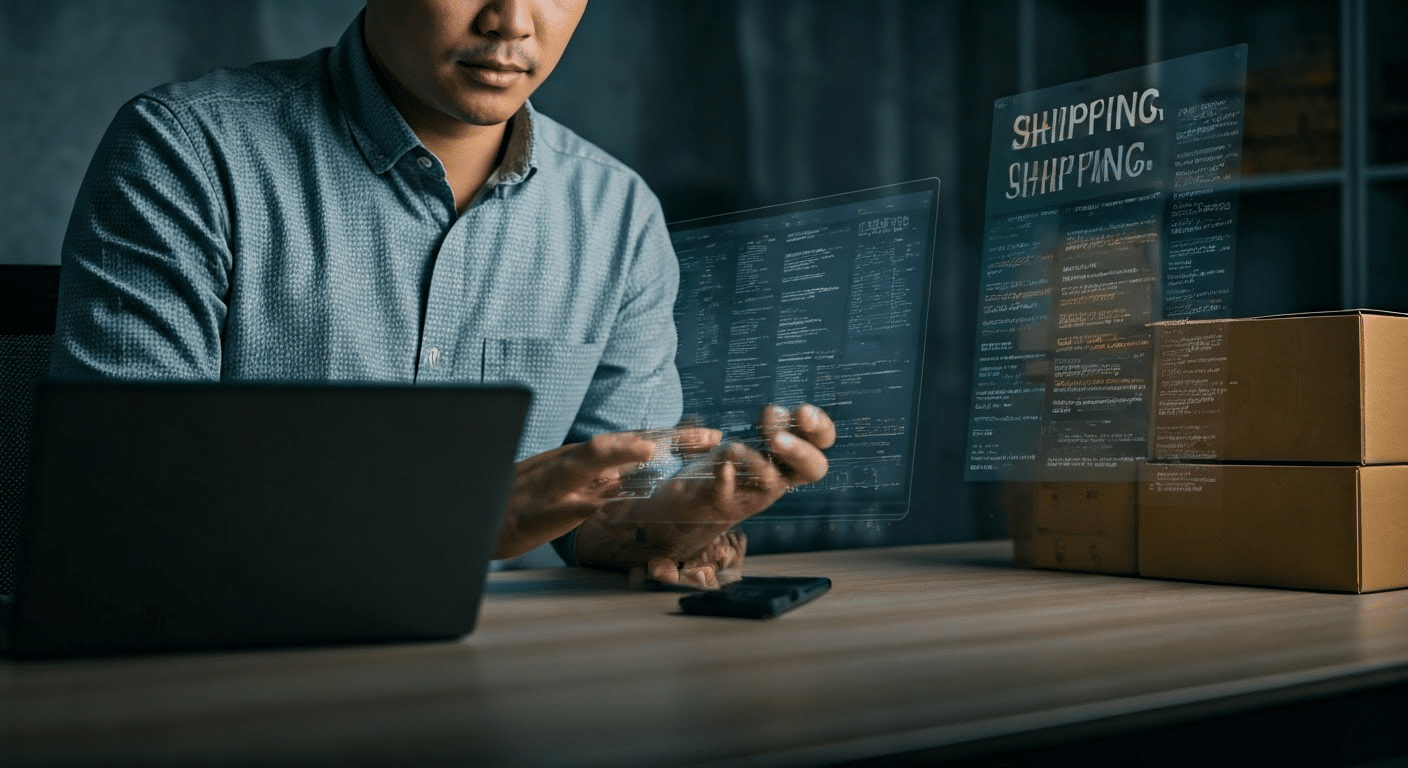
x=822 y=301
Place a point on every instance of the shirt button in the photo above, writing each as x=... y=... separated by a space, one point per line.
x=432 y=355
x=424 y=161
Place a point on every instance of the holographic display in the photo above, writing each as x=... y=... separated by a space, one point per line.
x=823 y=301
x=1111 y=205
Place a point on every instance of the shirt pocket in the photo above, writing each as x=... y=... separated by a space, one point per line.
x=557 y=370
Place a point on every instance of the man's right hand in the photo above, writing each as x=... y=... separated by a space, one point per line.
x=556 y=490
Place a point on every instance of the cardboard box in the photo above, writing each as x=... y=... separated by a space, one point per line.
x=1074 y=526
x=1328 y=387
x=1019 y=508
x=1336 y=528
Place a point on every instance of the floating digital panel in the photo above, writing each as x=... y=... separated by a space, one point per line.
x=822 y=301
x=1111 y=204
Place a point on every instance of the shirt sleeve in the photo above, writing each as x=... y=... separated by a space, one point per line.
x=145 y=263
x=636 y=384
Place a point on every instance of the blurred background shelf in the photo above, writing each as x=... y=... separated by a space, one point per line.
x=1273 y=182
x=1326 y=125
x=1387 y=172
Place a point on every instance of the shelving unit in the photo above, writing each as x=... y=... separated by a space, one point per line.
x=1385 y=174
x=1324 y=210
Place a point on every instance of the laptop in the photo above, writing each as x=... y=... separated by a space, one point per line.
x=823 y=301
x=203 y=516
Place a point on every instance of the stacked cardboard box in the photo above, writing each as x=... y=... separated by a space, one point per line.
x=1291 y=435
x=1073 y=526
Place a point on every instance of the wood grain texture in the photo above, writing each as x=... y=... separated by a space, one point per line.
x=914 y=647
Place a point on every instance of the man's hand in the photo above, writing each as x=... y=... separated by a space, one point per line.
x=683 y=526
x=555 y=490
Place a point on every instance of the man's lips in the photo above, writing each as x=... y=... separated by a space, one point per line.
x=499 y=74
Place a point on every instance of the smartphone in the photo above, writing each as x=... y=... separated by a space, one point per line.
x=756 y=597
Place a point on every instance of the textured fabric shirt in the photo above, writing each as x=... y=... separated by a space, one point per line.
x=282 y=222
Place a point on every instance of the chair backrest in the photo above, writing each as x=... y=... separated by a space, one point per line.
x=28 y=300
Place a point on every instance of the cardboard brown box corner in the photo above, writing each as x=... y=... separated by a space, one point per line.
x=1384 y=533
x=1385 y=389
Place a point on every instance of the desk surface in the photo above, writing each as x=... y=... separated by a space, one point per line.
x=914 y=648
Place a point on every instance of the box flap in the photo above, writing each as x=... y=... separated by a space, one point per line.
x=1282 y=316
x=1331 y=312
x=1176 y=323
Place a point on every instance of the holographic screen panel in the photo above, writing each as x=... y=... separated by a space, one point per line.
x=1111 y=205
x=822 y=301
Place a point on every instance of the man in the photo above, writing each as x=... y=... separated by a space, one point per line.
x=392 y=209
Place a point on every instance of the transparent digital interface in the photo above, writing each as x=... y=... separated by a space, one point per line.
x=825 y=303
x=1111 y=205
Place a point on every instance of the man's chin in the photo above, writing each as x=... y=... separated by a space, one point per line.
x=486 y=112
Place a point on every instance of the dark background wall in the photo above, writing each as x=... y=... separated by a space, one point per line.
x=727 y=104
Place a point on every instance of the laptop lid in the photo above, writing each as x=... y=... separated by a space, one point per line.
x=185 y=516
x=822 y=301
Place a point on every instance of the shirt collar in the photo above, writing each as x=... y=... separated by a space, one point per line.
x=383 y=135
x=379 y=130
x=520 y=158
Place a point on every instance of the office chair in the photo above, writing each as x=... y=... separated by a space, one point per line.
x=28 y=301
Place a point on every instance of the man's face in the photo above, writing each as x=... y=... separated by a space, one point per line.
x=475 y=61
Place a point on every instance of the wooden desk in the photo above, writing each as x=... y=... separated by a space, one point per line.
x=915 y=648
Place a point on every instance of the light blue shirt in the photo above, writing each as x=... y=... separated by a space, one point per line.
x=282 y=222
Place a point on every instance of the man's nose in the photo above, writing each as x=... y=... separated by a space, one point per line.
x=506 y=19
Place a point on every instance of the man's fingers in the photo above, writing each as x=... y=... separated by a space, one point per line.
x=542 y=460
x=814 y=425
x=596 y=464
x=720 y=563
x=698 y=573
x=805 y=462
x=773 y=419
x=726 y=551
x=691 y=440
x=796 y=440
x=664 y=570
x=599 y=461
x=613 y=449
x=806 y=421
x=742 y=469
x=735 y=546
